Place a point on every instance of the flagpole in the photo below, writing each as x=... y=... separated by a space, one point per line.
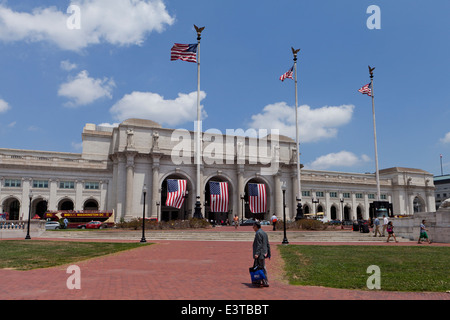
x=299 y=189
x=198 y=206
x=442 y=172
x=377 y=174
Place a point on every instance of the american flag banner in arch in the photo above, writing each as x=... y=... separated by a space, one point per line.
x=176 y=190
x=219 y=196
x=257 y=197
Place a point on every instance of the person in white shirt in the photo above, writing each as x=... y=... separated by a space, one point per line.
x=274 y=220
x=385 y=223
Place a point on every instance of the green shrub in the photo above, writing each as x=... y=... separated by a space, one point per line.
x=136 y=224
x=302 y=224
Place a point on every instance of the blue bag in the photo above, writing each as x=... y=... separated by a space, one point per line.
x=257 y=274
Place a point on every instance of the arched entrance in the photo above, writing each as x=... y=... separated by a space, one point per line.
x=333 y=212
x=41 y=208
x=12 y=207
x=90 y=204
x=172 y=213
x=347 y=214
x=255 y=191
x=418 y=204
x=359 y=213
x=218 y=201
x=66 y=205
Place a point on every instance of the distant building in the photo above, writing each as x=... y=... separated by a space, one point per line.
x=116 y=163
x=442 y=191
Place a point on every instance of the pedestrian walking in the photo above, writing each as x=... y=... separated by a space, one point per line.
x=274 y=220
x=390 y=231
x=423 y=233
x=236 y=221
x=261 y=251
x=376 y=225
x=385 y=223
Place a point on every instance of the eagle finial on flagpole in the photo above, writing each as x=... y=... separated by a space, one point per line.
x=295 y=52
x=371 y=71
x=199 y=31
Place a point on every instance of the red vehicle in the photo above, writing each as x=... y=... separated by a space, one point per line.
x=93 y=225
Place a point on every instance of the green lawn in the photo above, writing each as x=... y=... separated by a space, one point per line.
x=32 y=254
x=402 y=268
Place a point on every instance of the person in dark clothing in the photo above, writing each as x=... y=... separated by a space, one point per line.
x=261 y=250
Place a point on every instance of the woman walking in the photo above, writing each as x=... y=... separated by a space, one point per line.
x=390 y=230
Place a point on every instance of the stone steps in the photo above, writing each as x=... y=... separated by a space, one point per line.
x=205 y=235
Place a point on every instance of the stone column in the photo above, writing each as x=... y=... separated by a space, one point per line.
x=278 y=196
x=130 y=178
x=156 y=196
x=240 y=189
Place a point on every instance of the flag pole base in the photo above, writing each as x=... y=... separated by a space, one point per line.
x=299 y=212
x=198 y=210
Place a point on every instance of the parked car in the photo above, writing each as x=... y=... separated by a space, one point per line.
x=93 y=225
x=248 y=222
x=52 y=225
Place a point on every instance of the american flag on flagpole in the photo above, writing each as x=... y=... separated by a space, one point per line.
x=176 y=190
x=219 y=196
x=257 y=197
x=287 y=74
x=367 y=89
x=184 y=52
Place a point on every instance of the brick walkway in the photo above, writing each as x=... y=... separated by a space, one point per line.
x=178 y=270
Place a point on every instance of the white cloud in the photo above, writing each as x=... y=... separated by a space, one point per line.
x=445 y=139
x=339 y=159
x=152 y=106
x=119 y=22
x=314 y=124
x=109 y=125
x=4 y=106
x=83 y=90
x=78 y=146
x=67 y=65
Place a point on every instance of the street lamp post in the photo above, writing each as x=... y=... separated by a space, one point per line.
x=243 y=205
x=283 y=188
x=144 y=191
x=27 y=237
x=342 y=212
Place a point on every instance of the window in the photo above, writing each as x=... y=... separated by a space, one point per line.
x=371 y=196
x=67 y=185
x=333 y=194
x=92 y=185
x=40 y=183
x=383 y=196
x=13 y=183
x=319 y=194
x=346 y=195
x=359 y=196
x=306 y=193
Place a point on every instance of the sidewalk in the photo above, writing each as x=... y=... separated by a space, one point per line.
x=179 y=270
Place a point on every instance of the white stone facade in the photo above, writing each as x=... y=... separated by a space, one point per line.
x=115 y=164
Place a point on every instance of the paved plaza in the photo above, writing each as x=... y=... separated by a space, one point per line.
x=181 y=270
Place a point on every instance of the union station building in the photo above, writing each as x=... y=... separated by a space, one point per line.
x=108 y=177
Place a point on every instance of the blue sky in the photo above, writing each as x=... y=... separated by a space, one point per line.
x=54 y=79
